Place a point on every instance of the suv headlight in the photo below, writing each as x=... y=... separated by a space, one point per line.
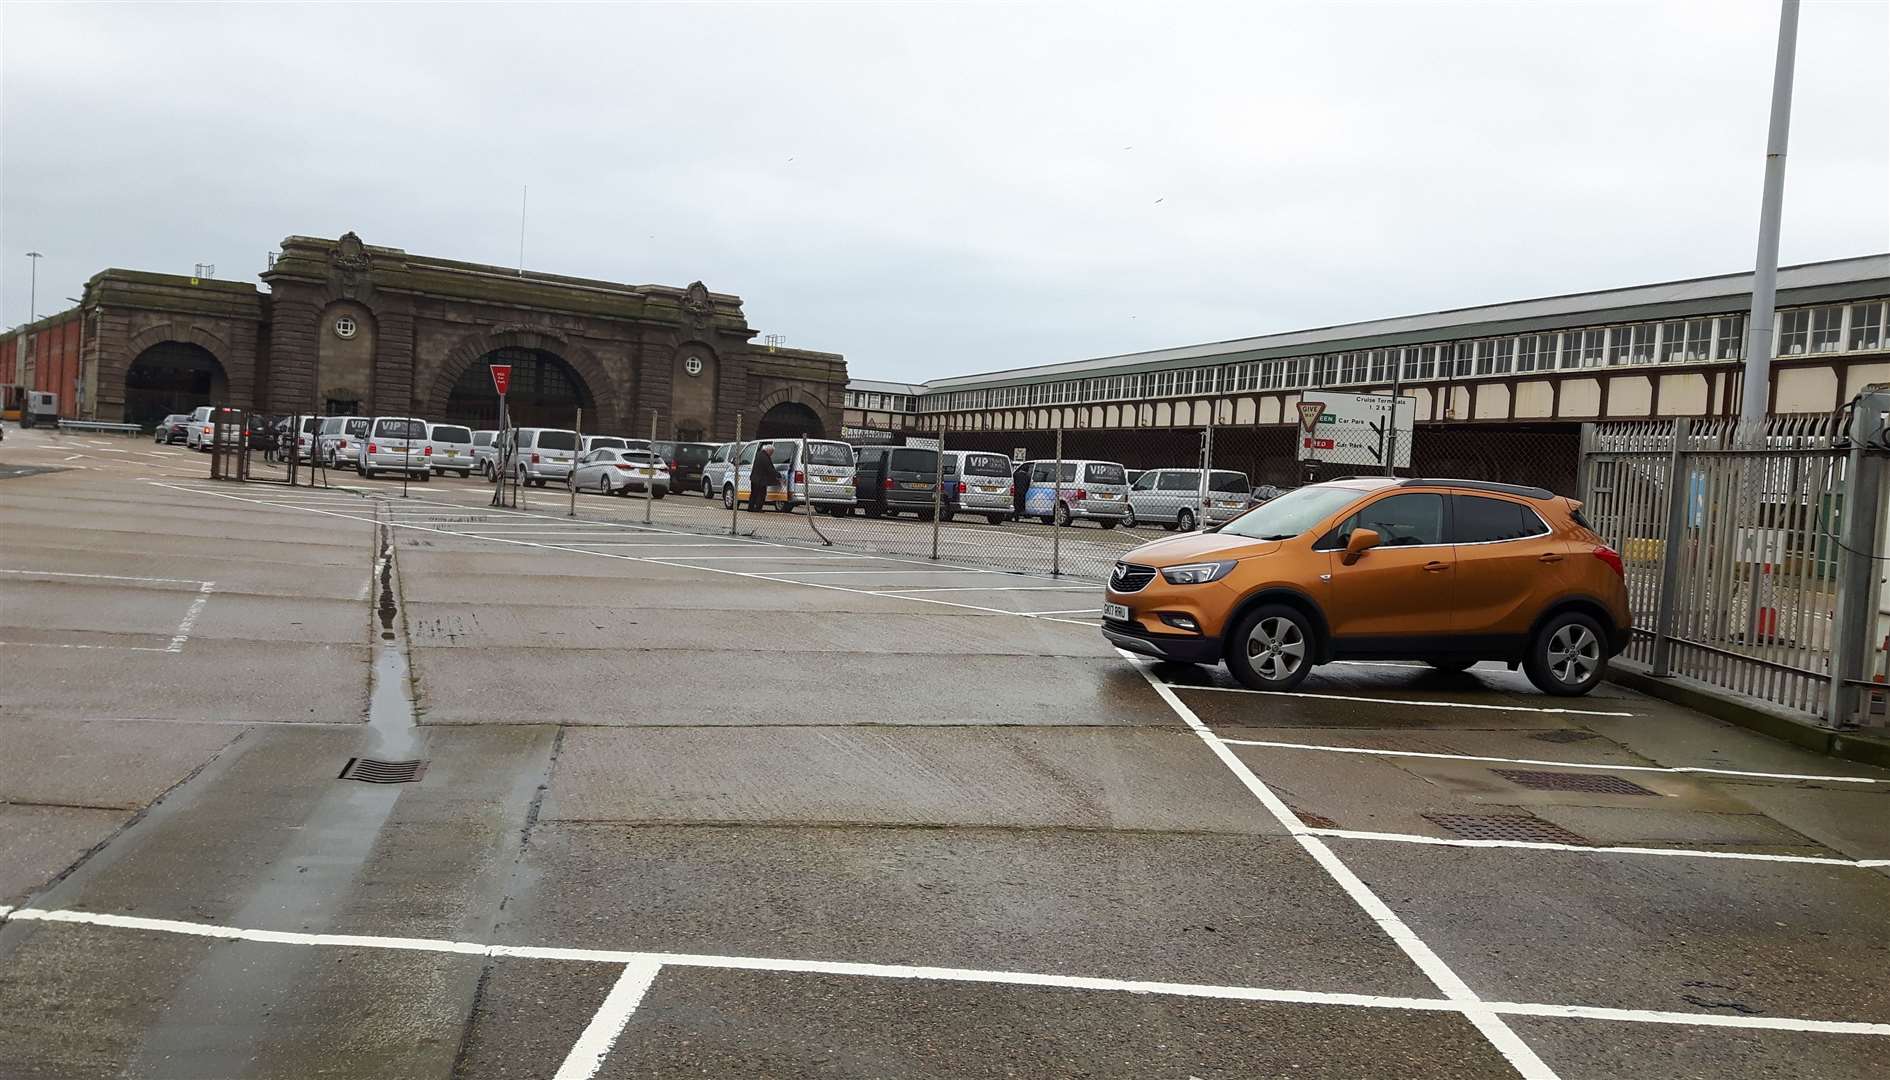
x=1197 y=573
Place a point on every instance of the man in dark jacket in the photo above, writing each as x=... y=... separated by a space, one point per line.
x=761 y=477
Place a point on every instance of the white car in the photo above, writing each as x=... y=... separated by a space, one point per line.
x=485 y=451
x=451 y=448
x=395 y=444
x=203 y=429
x=610 y=471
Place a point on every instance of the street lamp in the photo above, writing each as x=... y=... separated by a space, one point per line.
x=32 y=304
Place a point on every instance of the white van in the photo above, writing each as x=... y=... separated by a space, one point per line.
x=394 y=444
x=451 y=448
x=338 y=442
x=544 y=454
x=485 y=451
x=820 y=470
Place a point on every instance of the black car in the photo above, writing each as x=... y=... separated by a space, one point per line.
x=174 y=428
x=685 y=460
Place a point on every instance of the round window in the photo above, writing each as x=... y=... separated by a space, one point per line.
x=344 y=327
x=693 y=365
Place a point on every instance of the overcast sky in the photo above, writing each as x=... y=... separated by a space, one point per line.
x=941 y=189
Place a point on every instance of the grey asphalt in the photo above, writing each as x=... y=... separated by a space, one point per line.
x=687 y=757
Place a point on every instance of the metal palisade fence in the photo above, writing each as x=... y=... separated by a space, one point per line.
x=1754 y=556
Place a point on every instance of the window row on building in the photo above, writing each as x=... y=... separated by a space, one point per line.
x=879 y=402
x=1799 y=331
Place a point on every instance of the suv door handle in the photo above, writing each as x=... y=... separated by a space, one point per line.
x=1549 y=556
x=1435 y=567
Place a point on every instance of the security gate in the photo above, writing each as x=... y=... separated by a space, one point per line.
x=1753 y=557
x=235 y=453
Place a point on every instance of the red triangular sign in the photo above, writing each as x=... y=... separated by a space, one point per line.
x=501 y=377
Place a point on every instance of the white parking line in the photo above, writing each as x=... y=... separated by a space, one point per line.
x=593 y=1046
x=1070 y=611
x=889 y=589
x=1398 y=701
x=1499 y=1034
x=1533 y=845
x=772 y=558
x=1701 y=769
x=103 y=577
x=626 y=958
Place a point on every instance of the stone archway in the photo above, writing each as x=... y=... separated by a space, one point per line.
x=551 y=379
x=788 y=420
x=168 y=377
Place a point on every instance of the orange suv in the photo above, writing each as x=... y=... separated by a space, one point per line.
x=1444 y=571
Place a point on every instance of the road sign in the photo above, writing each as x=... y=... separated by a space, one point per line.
x=501 y=377
x=1356 y=429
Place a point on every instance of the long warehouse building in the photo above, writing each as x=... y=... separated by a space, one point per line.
x=1510 y=382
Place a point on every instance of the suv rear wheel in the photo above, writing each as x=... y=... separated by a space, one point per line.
x=1185 y=521
x=728 y=496
x=1566 y=658
x=1271 y=648
x=1061 y=516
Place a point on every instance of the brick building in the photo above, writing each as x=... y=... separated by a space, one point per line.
x=345 y=327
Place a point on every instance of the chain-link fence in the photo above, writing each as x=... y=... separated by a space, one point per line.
x=1067 y=503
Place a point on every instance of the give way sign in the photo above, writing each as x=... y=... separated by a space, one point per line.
x=501 y=377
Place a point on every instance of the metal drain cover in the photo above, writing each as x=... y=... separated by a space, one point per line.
x=376 y=771
x=1565 y=735
x=1593 y=783
x=1521 y=827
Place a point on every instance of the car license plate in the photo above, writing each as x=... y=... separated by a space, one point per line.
x=1116 y=612
x=452 y=453
x=918 y=486
x=826 y=479
x=1107 y=495
x=982 y=490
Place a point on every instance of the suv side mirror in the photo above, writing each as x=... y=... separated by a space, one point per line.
x=1360 y=541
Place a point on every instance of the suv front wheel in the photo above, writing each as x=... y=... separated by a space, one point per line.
x=1567 y=656
x=1271 y=648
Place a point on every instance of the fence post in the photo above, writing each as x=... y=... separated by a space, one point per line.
x=938 y=491
x=1666 y=604
x=734 y=463
x=1587 y=453
x=1056 y=501
x=577 y=451
x=649 y=488
x=1853 y=624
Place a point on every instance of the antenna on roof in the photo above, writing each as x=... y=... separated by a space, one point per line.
x=523 y=191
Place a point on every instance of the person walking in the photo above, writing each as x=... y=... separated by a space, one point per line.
x=761 y=477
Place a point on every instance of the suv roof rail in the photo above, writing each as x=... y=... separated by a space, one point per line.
x=1525 y=490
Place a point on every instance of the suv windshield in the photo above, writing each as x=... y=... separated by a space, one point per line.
x=551 y=439
x=1292 y=513
x=358 y=426
x=599 y=442
x=826 y=453
x=1228 y=481
x=1104 y=474
x=452 y=434
x=692 y=453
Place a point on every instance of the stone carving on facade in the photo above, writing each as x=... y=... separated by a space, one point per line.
x=351 y=264
x=527 y=328
x=697 y=303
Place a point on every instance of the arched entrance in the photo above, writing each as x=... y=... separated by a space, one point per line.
x=789 y=420
x=172 y=377
x=545 y=392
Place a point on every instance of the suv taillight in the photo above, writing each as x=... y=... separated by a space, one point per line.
x=800 y=477
x=1612 y=558
x=1081 y=494
x=887 y=483
x=534 y=457
x=428 y=452
x=373 y=449
x=961 y=487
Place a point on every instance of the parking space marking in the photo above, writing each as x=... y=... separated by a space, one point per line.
x=1397 y=701
x=1533 y=845
x=593 y=1046
x=887 y=589
x=1492 y=1027
x=1697 y=769
x=754 y=576
x=772 y=558
x=178 y=637
x=1069 y=611
x=1468 y=1008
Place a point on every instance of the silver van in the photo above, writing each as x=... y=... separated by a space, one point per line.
x=452 y=448
x=394 y=444
x=816 y=469
x=977 y=482
x=1088 y=490
x=1173 y=499
x=337 y=442
x=485 y=451
x=544 y=454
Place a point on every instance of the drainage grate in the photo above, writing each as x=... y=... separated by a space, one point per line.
x=1565 y=735
x=1593 y=783
x=1521 y=827
x=375 y=771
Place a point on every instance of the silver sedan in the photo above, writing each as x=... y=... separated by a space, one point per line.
x=609 y=471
